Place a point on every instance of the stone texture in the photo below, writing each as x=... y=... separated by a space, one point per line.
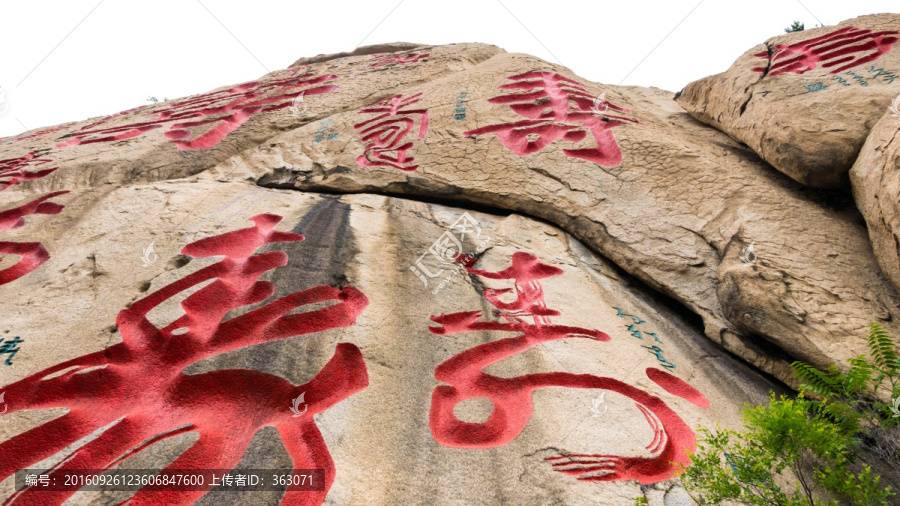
x=606 y=210
x=379 y=438
x=805 y=101
x=876 y=188
x=677 y=212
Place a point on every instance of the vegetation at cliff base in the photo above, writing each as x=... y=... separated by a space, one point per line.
x=797 y=451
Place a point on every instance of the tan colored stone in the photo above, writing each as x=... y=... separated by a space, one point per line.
x=676 y=213
x=674 y=217
x=379 y=438
x=811 y=135
x=876 y=188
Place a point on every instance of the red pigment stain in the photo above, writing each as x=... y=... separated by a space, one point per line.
x=528 y=316
x=385 y=134
x=843 y=49
x=558 y=108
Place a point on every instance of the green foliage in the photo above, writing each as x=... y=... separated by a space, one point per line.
x=795 y=449
x=795 y=27
x=641 y=501
x=788 y=454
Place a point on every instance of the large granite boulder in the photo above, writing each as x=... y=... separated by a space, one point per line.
x=465 y=276
x=876 y=188
x=805 y=101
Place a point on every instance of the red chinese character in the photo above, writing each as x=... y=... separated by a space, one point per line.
x=217 y=113
x=32 y=254
x=15 y=170
x=12 y=172
x=843 y=49
x=382 y=59
x=137 y=390
x=512 y=397
x=558 y=108
x=384 y=134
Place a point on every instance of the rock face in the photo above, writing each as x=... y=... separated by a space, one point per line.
x=876 y=188
x=805 y=101
x=431 y=274
x=178 y=138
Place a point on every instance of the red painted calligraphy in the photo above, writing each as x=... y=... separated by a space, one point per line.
x=138 y=390
x=558 y=108
x=32 y=254
x=40 y=133
x=385 y=134
x=528 y=316
x=839 y=50
x=13 y=171
x=216 y=114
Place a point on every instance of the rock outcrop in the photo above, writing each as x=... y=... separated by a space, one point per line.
x=669 y=201
x=805 y=101
x=876 y=188
x=432 y=274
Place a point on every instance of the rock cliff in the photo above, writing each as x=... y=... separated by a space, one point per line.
x=442 y=274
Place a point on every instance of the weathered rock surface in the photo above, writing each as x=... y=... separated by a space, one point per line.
x=805 y=101
x=676 y=212
x=159 y=309
x=876 y=187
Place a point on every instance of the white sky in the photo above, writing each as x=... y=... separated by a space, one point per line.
x=125 y=50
